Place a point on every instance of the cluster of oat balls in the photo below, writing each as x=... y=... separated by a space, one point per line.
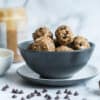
x=64 y=41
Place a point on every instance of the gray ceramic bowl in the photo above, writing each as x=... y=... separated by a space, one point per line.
x=56 y=64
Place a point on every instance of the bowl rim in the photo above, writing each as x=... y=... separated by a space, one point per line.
x=10 y=53
x=75 y=51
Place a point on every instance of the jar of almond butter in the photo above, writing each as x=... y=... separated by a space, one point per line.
x=12 y=21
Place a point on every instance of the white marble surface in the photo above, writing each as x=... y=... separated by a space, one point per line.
x=14 y=81
x=53 y=13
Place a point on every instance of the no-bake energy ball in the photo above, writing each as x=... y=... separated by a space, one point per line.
x=64 y=35
x=43 y=44
x=63 y=48
x=42 y=31
x=80 y=43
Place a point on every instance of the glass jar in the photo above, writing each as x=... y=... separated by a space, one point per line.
x=13 y=20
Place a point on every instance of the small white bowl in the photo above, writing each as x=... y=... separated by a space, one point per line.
x=6 y=59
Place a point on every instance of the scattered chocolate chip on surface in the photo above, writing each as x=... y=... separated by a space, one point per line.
x=4 y=88
x=22 y=98
x=14 y=91
x=66 y=96
x=14 y=96
x=66 y=90
x=28 y=96
x=48 y=97
x=38 y=94
x=32 y=94
x=35 y=91
x=58 y=92
x=44 y=90
x=57 y=97
x=69 y=93
x=76 y=93
x=20 y=92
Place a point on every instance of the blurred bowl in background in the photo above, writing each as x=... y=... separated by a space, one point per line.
x=6 y=59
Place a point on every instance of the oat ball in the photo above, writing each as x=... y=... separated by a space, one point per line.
x=64 y=35
x=63 y=48
x=42 y=31
x=43 y=44
x=80 y=43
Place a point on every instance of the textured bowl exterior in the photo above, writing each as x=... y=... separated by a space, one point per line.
x=56 y=64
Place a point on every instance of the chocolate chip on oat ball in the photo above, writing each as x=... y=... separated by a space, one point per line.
x=56 y=42
x=64 y=35
x=80 y=42
x=42 y=31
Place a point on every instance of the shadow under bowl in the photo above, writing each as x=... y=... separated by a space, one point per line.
x=55 y=64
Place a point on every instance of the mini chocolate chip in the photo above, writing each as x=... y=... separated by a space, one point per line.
x=44 y=90
x=22 y=98
x=20 y=92
x=4 y=88
x=58 y=92
x=69 y=92
x=32 y=94
x=14 y=96
x=17 y=90
x=46 y=96
x=38 y=94
x=28 y=96
x=14 y=91
x=76 y=93
x=66 y=97
x=57 y=98
x=35 y=91
x=66 y=90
